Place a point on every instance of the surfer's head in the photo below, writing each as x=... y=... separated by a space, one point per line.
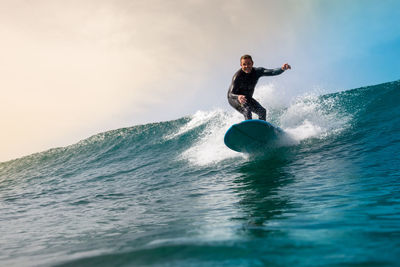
x=246 y=62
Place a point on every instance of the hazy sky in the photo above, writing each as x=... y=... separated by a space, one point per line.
x=71 y=69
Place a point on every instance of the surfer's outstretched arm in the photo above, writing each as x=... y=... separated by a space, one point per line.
x=272 y=72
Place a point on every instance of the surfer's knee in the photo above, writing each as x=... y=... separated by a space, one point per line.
x=247 y=114
x=261 y=112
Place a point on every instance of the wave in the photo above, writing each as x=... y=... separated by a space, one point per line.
x=144 y=188
x=199 y=138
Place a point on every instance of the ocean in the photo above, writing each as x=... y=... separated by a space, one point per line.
x=171 y=193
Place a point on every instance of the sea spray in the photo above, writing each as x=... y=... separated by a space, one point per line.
x=309 y=116
x=209 y=147
x=306 y=116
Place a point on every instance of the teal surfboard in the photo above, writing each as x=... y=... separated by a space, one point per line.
x=252 y=136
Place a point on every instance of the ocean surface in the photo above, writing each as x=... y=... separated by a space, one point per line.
x=172 y=194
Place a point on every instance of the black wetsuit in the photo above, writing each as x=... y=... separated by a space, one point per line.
x=244 y=84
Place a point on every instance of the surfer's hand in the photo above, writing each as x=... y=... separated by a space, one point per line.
x=242 y=99
x=286 y=67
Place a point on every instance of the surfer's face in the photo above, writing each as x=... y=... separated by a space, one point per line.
x=246 y=64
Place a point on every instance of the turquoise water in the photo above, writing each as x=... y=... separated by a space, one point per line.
x=171 y=193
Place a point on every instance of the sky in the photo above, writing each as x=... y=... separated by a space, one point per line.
x=71 y=69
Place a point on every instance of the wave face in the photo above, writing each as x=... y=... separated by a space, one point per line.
x=171 y=193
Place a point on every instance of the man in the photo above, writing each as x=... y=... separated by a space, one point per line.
x=240 y=94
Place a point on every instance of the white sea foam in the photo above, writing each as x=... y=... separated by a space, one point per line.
x=301 y=118
x=210 y=147
x=307 y=117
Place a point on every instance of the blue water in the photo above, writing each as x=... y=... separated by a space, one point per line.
x=171 y=193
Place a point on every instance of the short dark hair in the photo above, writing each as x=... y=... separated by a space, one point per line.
x=246 y=57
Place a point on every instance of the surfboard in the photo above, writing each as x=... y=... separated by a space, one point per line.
x=252 y=136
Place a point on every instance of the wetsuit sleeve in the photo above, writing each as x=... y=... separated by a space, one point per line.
x=233 y=89
x=269 y=72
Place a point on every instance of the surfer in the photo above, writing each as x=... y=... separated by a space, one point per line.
x=240 y=94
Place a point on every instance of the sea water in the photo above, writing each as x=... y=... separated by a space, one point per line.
x=171 y=193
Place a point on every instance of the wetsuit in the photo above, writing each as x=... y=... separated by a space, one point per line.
x=244 y=84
